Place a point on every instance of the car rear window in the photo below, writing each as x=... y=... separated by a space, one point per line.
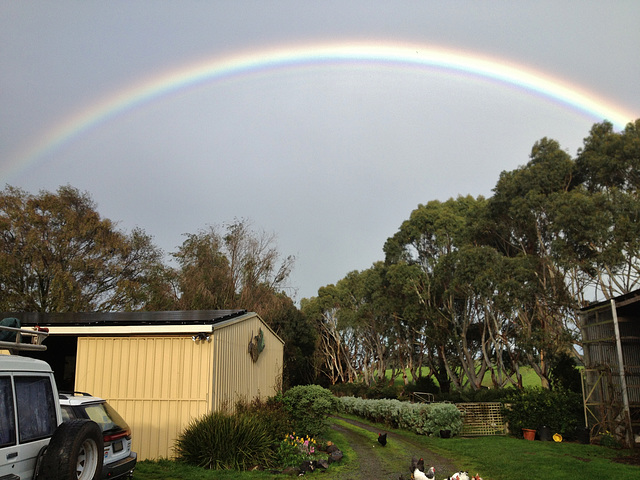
x=67 y=413
x=105 y=416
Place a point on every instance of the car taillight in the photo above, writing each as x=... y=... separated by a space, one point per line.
x=116 y=436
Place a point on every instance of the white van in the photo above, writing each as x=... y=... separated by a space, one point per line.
x=34 y=443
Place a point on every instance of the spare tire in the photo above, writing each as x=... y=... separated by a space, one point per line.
x=75 y=452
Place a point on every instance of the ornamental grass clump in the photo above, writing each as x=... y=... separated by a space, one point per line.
x=219 y=440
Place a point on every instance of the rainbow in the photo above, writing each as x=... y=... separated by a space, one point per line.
x=375 y=53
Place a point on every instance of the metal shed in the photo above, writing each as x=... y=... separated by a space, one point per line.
x=611 y=343
x=161 y=370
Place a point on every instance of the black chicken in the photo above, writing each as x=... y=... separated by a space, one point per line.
x=382 y=439
x=417 y=463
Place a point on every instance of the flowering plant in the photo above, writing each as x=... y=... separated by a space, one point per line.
x=608 y=439
x=294 y=449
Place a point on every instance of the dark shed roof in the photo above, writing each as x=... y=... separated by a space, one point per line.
x=621 y=301
x=177 y=317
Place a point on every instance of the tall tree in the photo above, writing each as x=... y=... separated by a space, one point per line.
x=523 y=208
x=231 y=266
x=300 y=339
x=204 y=275
x=58 y=255
x=434 y=232
x=609 y=167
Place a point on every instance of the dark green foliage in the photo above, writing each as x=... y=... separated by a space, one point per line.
x=309 y=406
x=350 y=389
x=220 y=440
x=382 y=389
x=565 y=374
x=57 y=254
x=481 y=395
x=561 y=410
x=423 y=384
x=300 y=340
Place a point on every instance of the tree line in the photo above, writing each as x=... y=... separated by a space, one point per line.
x=484 y=286
x=57 y=254
x=468 y=286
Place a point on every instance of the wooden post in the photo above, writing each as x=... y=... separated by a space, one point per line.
x=623 y=380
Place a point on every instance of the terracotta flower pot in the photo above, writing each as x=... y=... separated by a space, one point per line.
x=529 y=434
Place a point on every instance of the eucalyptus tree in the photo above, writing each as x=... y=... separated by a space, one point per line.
x=522 y=209
x=365 y=321
x=609 y=168
x=58 y=255
x=301 y=365
x=405 y=317
x=335 y=359
x=432 y=234
x=231 y=267
x=468 y=282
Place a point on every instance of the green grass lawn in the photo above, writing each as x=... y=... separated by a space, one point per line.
x=529 y=377
x=508 y=458
x=494 y=458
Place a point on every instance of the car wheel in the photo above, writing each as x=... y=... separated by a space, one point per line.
x=75 y=452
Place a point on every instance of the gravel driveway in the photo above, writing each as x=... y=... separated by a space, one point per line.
x=382 y=463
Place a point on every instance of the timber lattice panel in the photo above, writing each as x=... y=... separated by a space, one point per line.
x=481 y=419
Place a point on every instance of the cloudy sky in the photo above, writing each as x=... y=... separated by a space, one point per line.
x=325 y=123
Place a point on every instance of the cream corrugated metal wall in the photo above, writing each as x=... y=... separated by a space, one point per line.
x=161 y=383
x=236 y=376
x=157 y=384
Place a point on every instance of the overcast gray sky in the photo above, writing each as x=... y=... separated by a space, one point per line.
x=329 y=152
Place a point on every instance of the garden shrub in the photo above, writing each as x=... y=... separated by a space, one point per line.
x=443 y=416
x=420 y=418
x=219 y=440
x=309 y=406
x=533 y=407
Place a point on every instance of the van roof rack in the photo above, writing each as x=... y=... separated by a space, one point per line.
x=24 y=339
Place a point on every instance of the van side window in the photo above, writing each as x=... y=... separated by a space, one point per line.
x=7 y=414
x=36 y=407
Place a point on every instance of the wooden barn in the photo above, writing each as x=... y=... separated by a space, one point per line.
x=611 y=343
x=160 y=370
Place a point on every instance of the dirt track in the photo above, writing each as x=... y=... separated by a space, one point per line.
x=391 y=462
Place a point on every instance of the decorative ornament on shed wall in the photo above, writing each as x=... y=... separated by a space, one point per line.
x=256 y=345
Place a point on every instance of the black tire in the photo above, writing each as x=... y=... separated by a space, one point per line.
x=75 y=452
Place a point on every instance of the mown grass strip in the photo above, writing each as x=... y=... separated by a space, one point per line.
x=506 y=458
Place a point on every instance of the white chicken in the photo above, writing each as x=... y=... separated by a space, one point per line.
x=428 y=475
x=459 y=476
